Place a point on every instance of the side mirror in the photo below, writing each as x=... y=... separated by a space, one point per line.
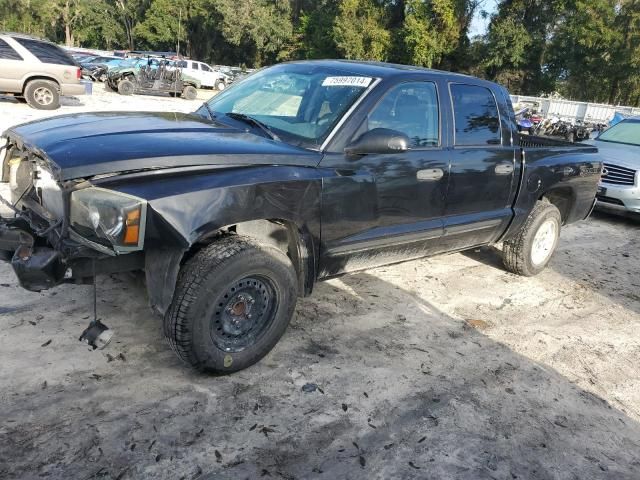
x=379 y=140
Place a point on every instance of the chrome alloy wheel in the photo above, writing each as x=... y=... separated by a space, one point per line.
x=43 y=95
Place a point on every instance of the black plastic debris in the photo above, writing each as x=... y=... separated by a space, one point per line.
x=309 y=387
x=97 y=335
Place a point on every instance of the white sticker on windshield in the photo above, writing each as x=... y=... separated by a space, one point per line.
x=347 y=82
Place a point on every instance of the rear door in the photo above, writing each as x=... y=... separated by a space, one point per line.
x=481 y=181
x=195 y=71
x=12 y=67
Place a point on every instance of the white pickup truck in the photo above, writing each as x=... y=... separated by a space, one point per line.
x=208 y=76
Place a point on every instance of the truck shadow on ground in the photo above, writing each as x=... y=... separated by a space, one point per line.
x=403 y=391
x=598 y=267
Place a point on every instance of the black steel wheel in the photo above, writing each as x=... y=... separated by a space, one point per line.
x=245 y=310
x=233 y=301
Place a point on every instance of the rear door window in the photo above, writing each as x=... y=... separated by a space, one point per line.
x=195 y=66
x=46 y=52
x=475 y=111
x=7 y=52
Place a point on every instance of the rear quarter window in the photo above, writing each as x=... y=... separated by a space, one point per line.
x=7 y=52
x=476 y=116
x=46 y=52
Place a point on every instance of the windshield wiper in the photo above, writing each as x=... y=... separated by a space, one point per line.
x=247 y=119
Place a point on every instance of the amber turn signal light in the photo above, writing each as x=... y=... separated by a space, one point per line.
x=132 y=227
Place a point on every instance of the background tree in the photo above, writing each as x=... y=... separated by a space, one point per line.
x=360 y=31
x=583 y=49
x=430 y=31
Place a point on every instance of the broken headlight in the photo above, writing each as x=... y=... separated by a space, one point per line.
x=109 y=218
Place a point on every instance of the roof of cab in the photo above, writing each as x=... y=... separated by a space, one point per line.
x=384 y=70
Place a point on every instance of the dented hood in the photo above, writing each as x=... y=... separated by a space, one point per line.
x=88 y=144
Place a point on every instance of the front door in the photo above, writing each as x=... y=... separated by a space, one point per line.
x=382 y=208
x=483 y=164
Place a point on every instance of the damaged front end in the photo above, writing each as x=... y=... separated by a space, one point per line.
x=54 y=232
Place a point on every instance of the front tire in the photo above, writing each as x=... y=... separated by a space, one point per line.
x=42 y=94
x=126 y=87
x=233 y=301
x=531 y=250
x=220 y=85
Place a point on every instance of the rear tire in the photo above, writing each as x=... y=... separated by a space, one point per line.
x=530 y=251
x=126 y=87
x=233 y=302
x=42 y=94
x=189 y=93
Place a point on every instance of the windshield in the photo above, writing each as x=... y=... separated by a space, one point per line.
x=299 y=103
x=627 y=131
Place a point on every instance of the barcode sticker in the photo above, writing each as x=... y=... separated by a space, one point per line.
x=347 y=82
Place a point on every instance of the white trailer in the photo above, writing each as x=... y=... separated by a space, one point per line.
x=571 y=111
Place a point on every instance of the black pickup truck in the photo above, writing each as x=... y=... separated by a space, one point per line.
x=298 y=173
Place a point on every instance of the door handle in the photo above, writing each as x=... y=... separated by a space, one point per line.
x=504 y=169
x=430 y=174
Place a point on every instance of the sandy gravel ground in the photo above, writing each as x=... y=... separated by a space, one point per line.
x=441 y=368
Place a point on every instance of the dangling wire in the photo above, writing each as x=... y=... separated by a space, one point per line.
x=95 y=294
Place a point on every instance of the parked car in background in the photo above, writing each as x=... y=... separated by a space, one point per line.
x=99 y=59
x=234 y=73
x=98 y=71
x=38 y=71
x=154 y=76
x=209 y=77
x=619 y=189
x=302 y=172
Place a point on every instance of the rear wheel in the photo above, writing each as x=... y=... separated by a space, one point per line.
x=126 y=87
x=42 y=94
x=189 y=93
x=530 y=251
x=233 y=302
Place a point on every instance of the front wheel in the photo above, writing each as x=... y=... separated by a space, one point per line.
x=126 y=87
x=233 y=302
x=220 y=85
x=530 y=251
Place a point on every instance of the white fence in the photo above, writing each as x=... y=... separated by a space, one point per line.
x=571 y=111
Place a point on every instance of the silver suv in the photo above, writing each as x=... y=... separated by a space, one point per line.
x=38 y=71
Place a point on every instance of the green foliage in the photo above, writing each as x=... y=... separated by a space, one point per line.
x=430 y=31
x=359 y=31
x=583 y=49
x=314 y=34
